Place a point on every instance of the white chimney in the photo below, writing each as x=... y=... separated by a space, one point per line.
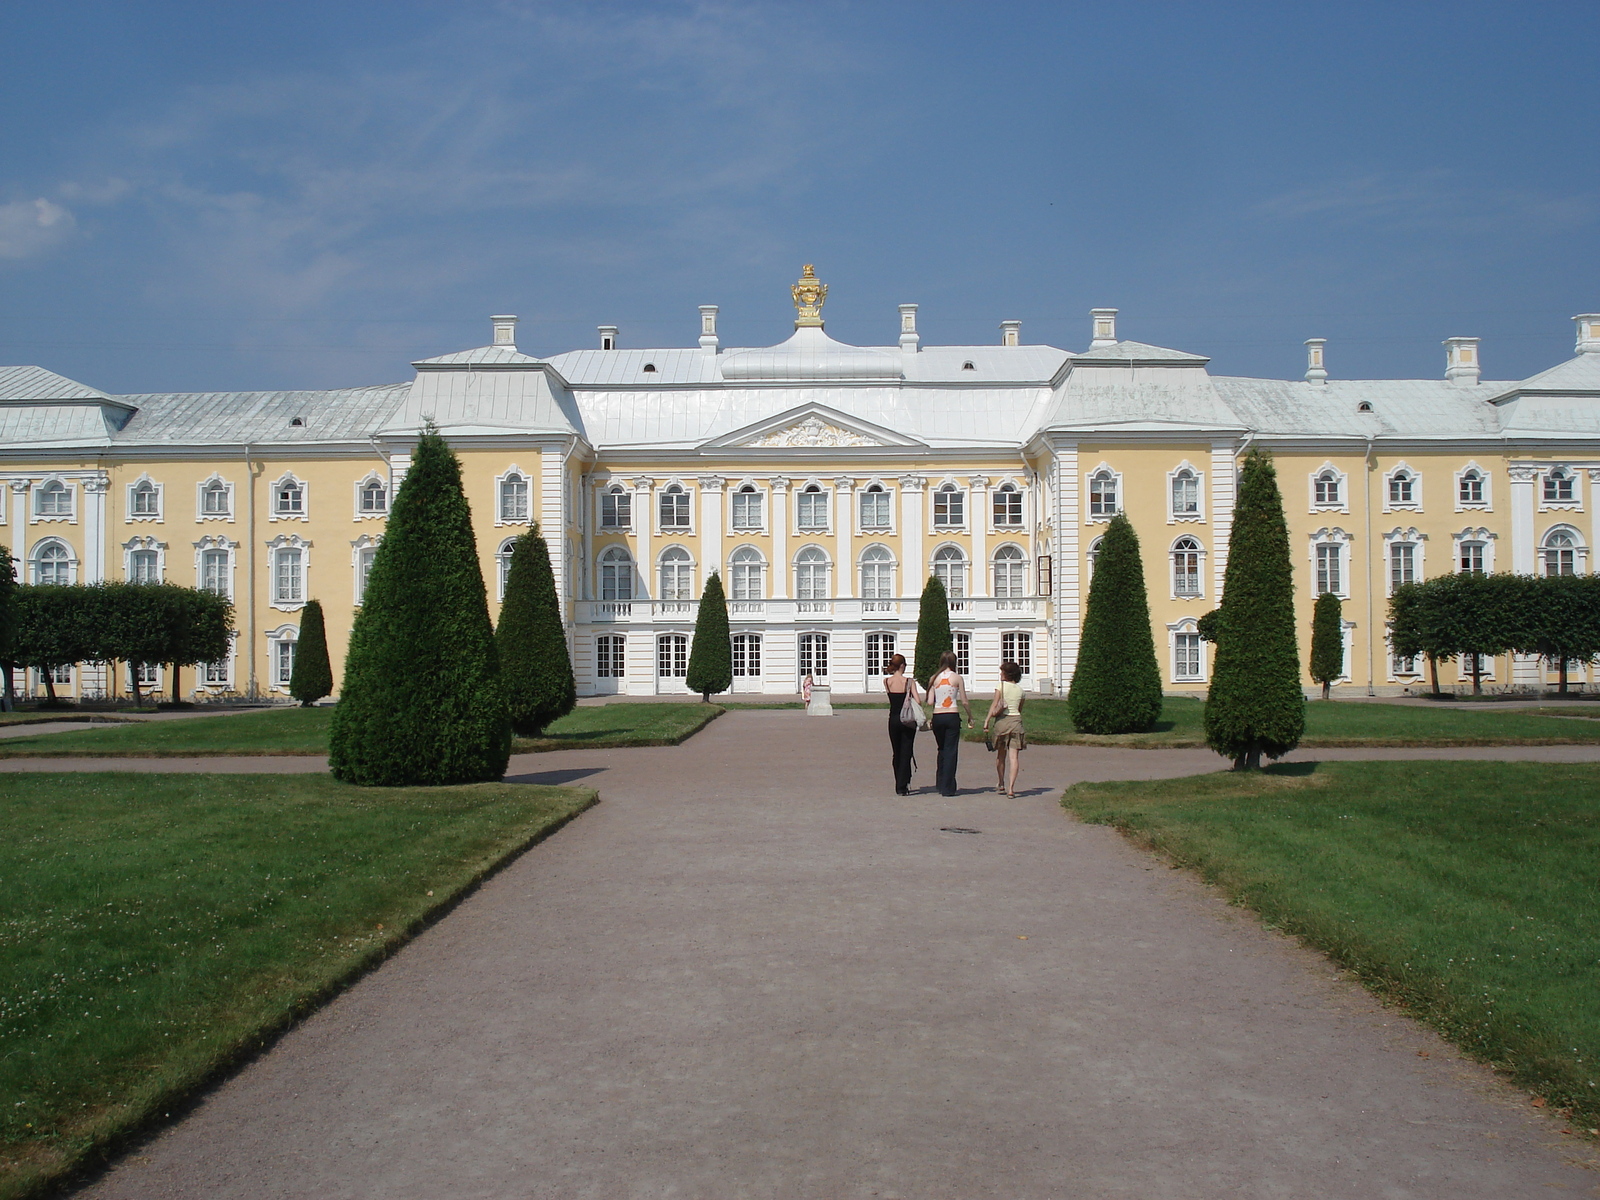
x=910 y=342
x=1461 y=360
x=1316 y=369
x=608 y=337
x=1105 y=327
x=1588 y=333
x=1011 y=333
x=505 y=331
x=708 y=328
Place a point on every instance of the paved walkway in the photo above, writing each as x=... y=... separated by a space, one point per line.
x=753 y=971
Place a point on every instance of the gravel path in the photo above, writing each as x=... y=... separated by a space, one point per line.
x=753 y=971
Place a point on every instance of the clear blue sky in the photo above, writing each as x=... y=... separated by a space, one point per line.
x=202 y=196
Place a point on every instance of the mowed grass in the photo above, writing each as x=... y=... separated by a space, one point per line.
x=1465 y=891
x=1328 y=723
x=305 y=731
x=155 y=928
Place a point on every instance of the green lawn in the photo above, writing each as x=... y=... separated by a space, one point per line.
x=1465 y=891
x=153 y=928
x=305 y=731
x=1328 y=723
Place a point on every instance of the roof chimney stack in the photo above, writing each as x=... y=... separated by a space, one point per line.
x=1588 y=333
x=1316 y=370
x=708 y=328
x=1461 y=360
x=505 y=331
x=1011 y=333
x=910 y=342
x=608 y=337
x=1105 y=327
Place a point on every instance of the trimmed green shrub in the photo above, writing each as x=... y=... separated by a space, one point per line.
x=1463 y=616
x=1206 y=626
x=711 y=655
x=534 y=663
x=8 y=625
x=54 y=628
x=933 y=631
x=1327 y=641
x=1556 y=617
x=312 y=677
x=1255 y=706
x=422 y=700
x=1116 y=687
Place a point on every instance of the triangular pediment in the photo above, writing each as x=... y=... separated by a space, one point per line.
x=810 y=427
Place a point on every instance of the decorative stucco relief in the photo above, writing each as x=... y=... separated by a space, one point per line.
x=813 y=431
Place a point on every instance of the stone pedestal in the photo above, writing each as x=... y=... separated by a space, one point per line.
x=821 y=703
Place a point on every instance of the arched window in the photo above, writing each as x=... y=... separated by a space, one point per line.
x=811 y=509
x=514 y=497
x=1186 y=567
x=1471 y=484
x=1008 y=507
x=365 y=556
x=745 y=567
x=1185 y=493
x=52 y=563
x=1092 y=554
x=1560 y=553
x=1103 y=494
x=949 y=507
x=677 y=574
x=950 y=569
x=289 y=498
x=616 y=508
x=811 y=574
x=674 y=507
x=616 y=574
x=1560 y=486
x=1327 y=487
x=503 y=560
x=1010 y=572
x=875 y=507
x=747 y=508
x=54 y=500
x=374 y=497
x=146 y=499
x=1402 y=487
x=877 y=573
x=214 y=499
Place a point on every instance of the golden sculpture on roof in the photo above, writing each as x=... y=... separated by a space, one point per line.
x=809 y=296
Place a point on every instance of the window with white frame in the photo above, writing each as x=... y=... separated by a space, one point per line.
x=1186 y=555
x=811 y=574
x=365 y=557
x=215 y=576
x=672 y=655
x=814 y=655
x=616 y=508
x=1403 y=487
x=216 y=499
x=616 y=574
x=288 y=497
x=811 y=509
x=373 y=497
x=1188 y=655
x=949 y=507
x=144 y=566
x=1330 y=568
x=1090 y=557
x=674 y=507
x=1103 y=500
x=609 y=659
x=288 y=575
x=747 y=508
x=59 y=674
x=514 y=497
x=880 y=649
x=1185 y=493
x=1402 y=564
x=1560 y=486
x=502 y=561
x=747 y=655
x=746 y=571
x=1471 y=556
x=962 y=645
x=283 y=660
x=950 y=569
x=875 y=507
x=1470 y=491
x=1402 y=664
x=52 y=563
x=1328 y=489
x=148 y=674
x=52 y=499
x=877 y=573
x=144 y=500
x=1010 y=573
x=216 y=674
x=1017 y=648
x=1560 y=553
x=1007 y=506
x=677 y=574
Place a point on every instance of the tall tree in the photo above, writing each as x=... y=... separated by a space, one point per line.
x=1558 y=618
x=933 y=631
x=1116 y=687
x=312 y=677
x=1255 y=707
x=8 y=626
x=422 y=700
x=711 y=656
x=532 y=638
x=54 y=628
x=1467 y=616
x=1327 y=641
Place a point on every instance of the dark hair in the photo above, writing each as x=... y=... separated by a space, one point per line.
x=947 y=661
x=897 y=662
x=1011 y=672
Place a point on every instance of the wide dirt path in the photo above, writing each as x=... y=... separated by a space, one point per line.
x=753 y=971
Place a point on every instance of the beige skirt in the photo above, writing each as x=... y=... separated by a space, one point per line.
x=1008 y=732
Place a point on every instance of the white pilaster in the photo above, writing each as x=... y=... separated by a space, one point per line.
x=843 y=523
x=1523 y=549
x=779 y=575
x=93 y=568
x=644 y=520
x=553 y=521
x=1068 y=549
x=914 y=573
x=978 y=521
x=1594 y=518
x=711 y=490
x=1224 y=485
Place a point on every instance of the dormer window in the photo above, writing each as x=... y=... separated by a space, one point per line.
x=1327 y=488
x=298 y=422
x=616 y=508
x=1364 y=406
x=967 y=366
x=1560 y=486
x=747 y=508
x=649 y=368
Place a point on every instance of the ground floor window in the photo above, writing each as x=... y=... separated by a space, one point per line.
x=282 y=663
x=215 y=674
x=58 y=675
x=1186 y=656
x=963 y=649
x=1017 y=648
x=880 y=648
x=608 y=655
x=1404 y=664
x=148 y=674
x=814 y=654
x=746 y=655
x=672 y=656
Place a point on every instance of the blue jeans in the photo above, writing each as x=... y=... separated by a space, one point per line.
x=947 y=736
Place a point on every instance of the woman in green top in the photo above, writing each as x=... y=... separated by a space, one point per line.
x=1006 y=713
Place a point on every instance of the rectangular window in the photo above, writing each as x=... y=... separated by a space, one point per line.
x=1010 y=575
x=514 y=498
x=672 y=656
x=874 y=509
x=1403 y=664
x=747 y=510
x=364 y=557
x=1558 y=487
x=214 y=500
x=282 y=661
x=675 y=509
x=1103 y=495
x=60 y=675
x=1186 y=656
x=616 y=510
x=747 y=655
x=963 y=649
x=1472 y=557
x=144 y=566
x=1402 y=564
x=149 y=675
x=1186 y=571
x=877 y=580
x=1330 y=578
x=1185 y=494
x=1327 y=488
x=811 y=510
x=55 y=500
x=288 y=575
x=880 y=648
x=949 y=508
x=1008 y=508
x=1471 y=488
x=215 y=674
x=214 y=571
x=146 y=501
x=608 y=648
x=814 y=655
x=1017 y=648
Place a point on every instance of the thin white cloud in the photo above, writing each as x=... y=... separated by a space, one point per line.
x=1440 y=200
x=29 y=228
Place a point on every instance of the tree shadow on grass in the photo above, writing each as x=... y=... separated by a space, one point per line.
x=1292 y=768
x=555 y=778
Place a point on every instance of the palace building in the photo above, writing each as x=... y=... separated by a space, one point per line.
x=826 y=482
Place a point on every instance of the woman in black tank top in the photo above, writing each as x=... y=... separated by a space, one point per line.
x=901 y=736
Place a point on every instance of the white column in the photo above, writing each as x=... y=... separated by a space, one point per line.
x=588 y=493
x=779 y=582
x=914 y=566
x=978 y=521
x=1594 y=519
x=1068 y=605
x=1223 y=485
x=93 y=569
x=644 y=520
x=843 y=523
x=711 y=491
x=553 y=520
x=1523 y=556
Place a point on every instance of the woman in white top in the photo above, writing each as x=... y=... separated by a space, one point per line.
x=946 y=692
x=1006 y=713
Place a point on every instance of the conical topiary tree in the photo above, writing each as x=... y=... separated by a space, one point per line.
x=312 y=677
x=534 y=664
x=8 y=625
x=1255 y=706
x=1116 y=687
x=711 y=656
x=422 y=701
x=933 y=631
x=1327 y=641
